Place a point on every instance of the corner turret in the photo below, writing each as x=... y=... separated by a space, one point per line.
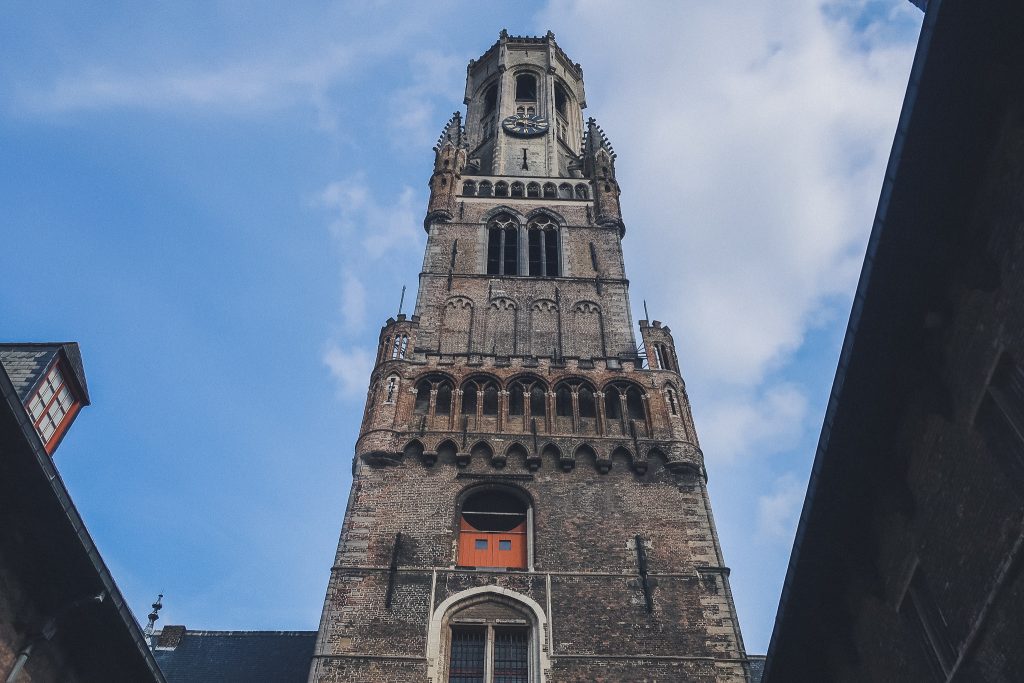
x=599 y=166
x=449 y=163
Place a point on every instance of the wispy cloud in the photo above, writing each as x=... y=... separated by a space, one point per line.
x=235 y=87
x=753 y=145
x=758 y=423
x=777 y=511
x=350 y=367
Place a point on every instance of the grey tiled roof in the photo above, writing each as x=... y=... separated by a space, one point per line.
x=238 y=657
x=26 y=362
x=24 y=365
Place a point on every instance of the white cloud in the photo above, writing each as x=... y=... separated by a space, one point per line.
x=777 y=512
x=379 y=226
x=234 y=87
x=759 y=423
x=353 y=302
x=415 y=119
x=350 y=367
x=753 y=145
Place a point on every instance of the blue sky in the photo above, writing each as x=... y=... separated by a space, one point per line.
x=222 y=201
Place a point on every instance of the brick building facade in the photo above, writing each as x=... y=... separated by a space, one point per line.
x=529 y=498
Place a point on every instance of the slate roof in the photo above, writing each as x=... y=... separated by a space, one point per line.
x=26 y=362
x=756 y=663
x=236 y=656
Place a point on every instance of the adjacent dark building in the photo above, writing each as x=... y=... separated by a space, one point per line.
x=62 y=618
x=907 y=561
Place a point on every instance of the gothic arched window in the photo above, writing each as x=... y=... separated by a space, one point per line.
x=673 y=406
x=542 y=246
x=533 y=190
x=565 y=191
x=503 y=245
x=485 y=188
x=635 y=404
x=469 y=188
x=550 y=191
x=527 y=398
x=526 y=87
x=582 y=192
x=517 y=189
x=501 y=189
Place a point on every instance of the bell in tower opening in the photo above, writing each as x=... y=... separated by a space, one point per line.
x=529 y=500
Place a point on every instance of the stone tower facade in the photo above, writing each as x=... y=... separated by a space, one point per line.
x=529 y=500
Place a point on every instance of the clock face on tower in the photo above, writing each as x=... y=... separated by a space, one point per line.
x=525 y=126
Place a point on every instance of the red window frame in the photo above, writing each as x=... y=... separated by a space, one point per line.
x=58 y=367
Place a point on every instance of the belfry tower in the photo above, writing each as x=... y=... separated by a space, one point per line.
x=529 y=500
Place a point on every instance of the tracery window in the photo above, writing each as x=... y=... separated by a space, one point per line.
x=533 y=190
x=469 y=188
x=441 y=388
x=527 y=398
x=543 y=247
x=517 y=189
x=480 y=394
x=501 y=189
x=503 y=245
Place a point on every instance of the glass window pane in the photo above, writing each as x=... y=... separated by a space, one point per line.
x=504 y=545
x=480 y=544
x=467 y=659
x=511 y=661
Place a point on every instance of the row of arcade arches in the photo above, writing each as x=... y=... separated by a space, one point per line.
x=518 y=455
x=501 y=188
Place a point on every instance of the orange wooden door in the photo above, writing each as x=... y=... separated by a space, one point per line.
x=492 y=548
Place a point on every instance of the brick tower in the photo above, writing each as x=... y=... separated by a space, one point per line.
x=529 y=500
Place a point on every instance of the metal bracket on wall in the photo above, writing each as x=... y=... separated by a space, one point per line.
x=641 y=560
x=393 y=570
